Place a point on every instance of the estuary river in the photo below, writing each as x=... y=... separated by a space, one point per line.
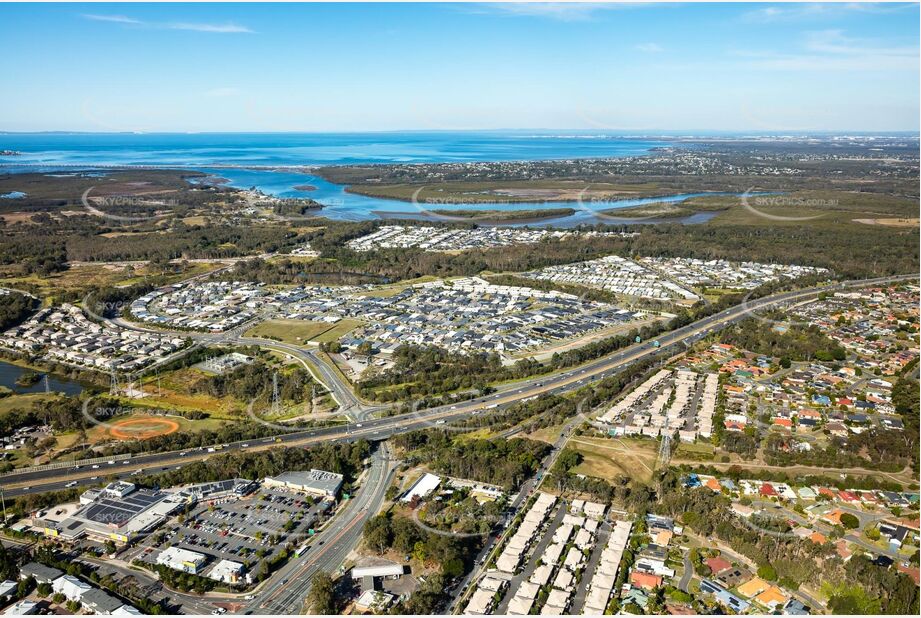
x=267 y=161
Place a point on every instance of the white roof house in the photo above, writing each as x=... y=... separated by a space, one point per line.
x=227 y=571
x=423 y=487
x=22 y=608
x=71 y=587
x=391 y=569
x=181 y=559
x=480 y=602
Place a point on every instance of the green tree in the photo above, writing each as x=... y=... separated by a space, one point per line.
x=322 y=597
x=849 y=521
x=768 y=572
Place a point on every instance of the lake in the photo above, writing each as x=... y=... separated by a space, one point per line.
x=9 y=373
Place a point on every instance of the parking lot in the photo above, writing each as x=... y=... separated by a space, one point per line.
x=248 y=530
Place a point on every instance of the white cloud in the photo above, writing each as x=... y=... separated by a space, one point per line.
x=836 y=42
x=650 y=48
x=832 y=50
x=805 y=11
x=117 y=19
x=227 y=28
x=221 y=28
x=559 y=11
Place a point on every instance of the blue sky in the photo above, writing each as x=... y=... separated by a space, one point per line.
x=324 y=67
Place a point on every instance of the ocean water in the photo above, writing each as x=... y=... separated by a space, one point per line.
x=295 y=149
x=269 y=161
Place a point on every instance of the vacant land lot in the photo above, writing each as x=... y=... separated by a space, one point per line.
x=81 y=278
x=301 y=331
x=607 y=459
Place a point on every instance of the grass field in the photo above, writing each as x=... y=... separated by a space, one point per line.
x=26 y=401
x=510 y=191
x=302 y=331
x=700 y=451
x=339 y=329
x=142 y=425
x=303 y=259
x=175 y=391
x=607 y=459
x=289 y=331
x=828 y=208
x=393 y=290
x=534 y=214
x=547 y=434
x=80 y=278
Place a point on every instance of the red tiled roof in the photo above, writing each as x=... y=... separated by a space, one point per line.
x=645 y=580
x=717 y=565
x=912 y=572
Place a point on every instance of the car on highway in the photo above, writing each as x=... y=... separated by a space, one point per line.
x=71 y=484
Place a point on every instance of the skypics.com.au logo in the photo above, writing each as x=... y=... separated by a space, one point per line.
x=110 y=206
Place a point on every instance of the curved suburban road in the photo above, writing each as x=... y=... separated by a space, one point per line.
x=286 y=591
x=18 y=483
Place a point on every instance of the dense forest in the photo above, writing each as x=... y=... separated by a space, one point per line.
x=47 y=248
x=62 y=413
x=15 y=308
x=793 y=342
x=453 y=555
x=255 y=381
x=345 y=459
x=499 y=462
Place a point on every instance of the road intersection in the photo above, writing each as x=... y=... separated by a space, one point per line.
x=287 y=589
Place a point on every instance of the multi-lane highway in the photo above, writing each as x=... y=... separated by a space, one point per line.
x=380 y=429
x=286 y=591
x=289 y=588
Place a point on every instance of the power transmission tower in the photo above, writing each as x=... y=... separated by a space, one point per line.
x=665 y=450
x=113 y=384
x=276 y=407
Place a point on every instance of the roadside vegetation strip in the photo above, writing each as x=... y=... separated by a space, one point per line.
x=624 y=360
